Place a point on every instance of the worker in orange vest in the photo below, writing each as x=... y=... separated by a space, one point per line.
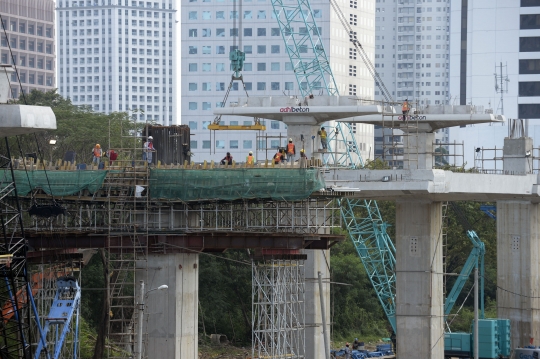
x=291 y=151
x=96 y=153
x=278 y=157
x=405 y=109
x=250 y=160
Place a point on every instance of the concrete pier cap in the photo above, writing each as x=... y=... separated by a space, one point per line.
x=304 y=116
x=23 y=119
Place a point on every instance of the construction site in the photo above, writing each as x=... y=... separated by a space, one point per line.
x=151 y=218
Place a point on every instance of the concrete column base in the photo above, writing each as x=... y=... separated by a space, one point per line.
x=317 y=261
x=419 y=281
x=171 y=316
x=518 y=269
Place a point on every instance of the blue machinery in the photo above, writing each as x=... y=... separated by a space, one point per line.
x=65 y=306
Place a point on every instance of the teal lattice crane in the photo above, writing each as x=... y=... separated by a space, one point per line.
x=362 y=218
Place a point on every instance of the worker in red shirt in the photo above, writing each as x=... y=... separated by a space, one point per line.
x=291 y=151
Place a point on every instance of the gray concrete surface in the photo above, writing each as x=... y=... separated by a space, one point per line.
x=171 y=320
x=419 y=280
x=518 y=155
x=434 y=185
x=21 y=119
x=518 y=269
x=317 y=261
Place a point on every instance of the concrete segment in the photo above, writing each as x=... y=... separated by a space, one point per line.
x=419 y=280
x=434 y=185
x=22 y=119
x=317 y=261
x=171 y=319
x=517 y=155
x=518 y=269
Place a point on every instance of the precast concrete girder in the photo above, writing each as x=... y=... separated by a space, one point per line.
x=433 y=185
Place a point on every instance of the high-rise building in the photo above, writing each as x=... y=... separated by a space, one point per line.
x=29 y=31
x=211 y=29
x=119 y=55
x=495 y=63
x=412 y=58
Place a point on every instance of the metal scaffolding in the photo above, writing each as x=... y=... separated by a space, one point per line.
x=278 y=316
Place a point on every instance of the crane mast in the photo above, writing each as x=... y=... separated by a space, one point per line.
x=313 y=72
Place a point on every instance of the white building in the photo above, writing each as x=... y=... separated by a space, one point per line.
x=488 y=34
x=118 y=55
x=211 y=29
x=412 y=56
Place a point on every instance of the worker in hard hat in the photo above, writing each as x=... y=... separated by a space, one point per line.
x=291 y=151
x=97 y=152
x=148 y=148
x=303 y=158
x=324 y=139
x=250 y=159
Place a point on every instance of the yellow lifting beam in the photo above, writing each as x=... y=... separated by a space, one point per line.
x=256 y=126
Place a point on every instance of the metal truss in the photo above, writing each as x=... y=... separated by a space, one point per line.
x=15 y=294
x=278 y=313
x=311 y=67
x=305 y=216
x=375 y=248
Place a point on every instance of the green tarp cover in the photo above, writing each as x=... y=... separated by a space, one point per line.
x=232 y=184
x=62 y=183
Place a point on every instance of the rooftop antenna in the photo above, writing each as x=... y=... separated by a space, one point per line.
x=501 y=84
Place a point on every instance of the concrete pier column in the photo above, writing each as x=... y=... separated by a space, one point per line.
x=306 y=126
x=418 y=149
x=419 y=281
x=317 y=261
x=518 y=269
x=517 y=155
x=171 y=316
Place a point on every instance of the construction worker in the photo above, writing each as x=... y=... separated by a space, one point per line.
x=324 y=141
x=278 y=157
x=250 y=160
x=405 y=109
x=303 y=159
x=96 y=153
x=291 y=151
x=227 y=160
x=113 y=155
x=348 y=351
x=148 y=148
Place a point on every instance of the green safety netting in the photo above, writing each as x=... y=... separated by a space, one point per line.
x=62 y=183
x=232 y=184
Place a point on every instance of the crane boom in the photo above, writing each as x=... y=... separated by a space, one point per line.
x=313 y=72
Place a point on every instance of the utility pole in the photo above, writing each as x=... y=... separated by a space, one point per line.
x=501 y=84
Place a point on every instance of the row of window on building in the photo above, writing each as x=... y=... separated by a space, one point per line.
x=221 y=86
x=25 y=28
x=32 y=79
x=82 y=3
x=235 y=144
x=27 y=44
x=248 y=66
x=20 y=60
x=248 y=14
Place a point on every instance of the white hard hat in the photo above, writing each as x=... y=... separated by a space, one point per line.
x=150 y=137
x=250 y=152
x=290 y=139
